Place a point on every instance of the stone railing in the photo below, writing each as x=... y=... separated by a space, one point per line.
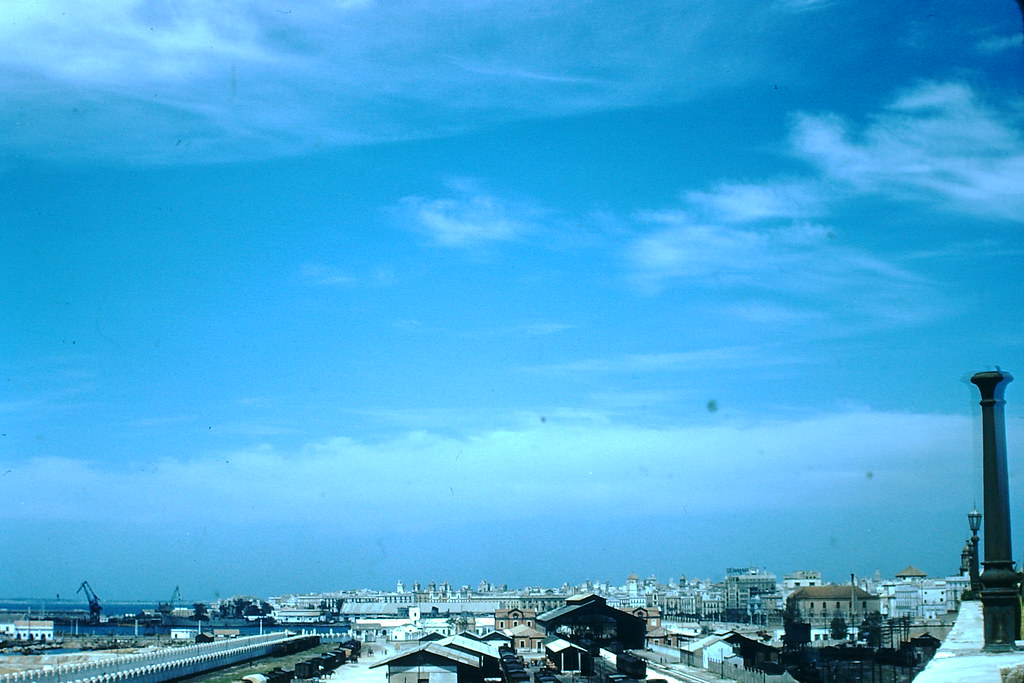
x=156 y=666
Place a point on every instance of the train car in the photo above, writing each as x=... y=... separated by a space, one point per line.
x=307 y=669
x=279 y=675
x=546 y=676
x=631 y=666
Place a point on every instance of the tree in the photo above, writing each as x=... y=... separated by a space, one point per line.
x=798 y=633
x=838 y=627
x=871 y=630
x=791 y=613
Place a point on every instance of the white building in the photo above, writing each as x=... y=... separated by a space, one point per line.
x=38 y=630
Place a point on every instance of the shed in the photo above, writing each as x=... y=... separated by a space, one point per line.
x=588 y=621
x=432 y=663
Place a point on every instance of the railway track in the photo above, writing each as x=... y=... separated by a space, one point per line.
x=688 y=677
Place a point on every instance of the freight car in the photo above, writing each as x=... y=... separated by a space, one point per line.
x=631 y=665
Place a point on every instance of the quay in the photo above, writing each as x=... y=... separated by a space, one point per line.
x=169 y=663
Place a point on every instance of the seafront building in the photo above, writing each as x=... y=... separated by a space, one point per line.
x=748 y=595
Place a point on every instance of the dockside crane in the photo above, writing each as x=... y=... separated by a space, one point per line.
x=166 y=608
x=95 y=609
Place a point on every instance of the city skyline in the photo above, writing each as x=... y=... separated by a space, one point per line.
x=445 y=589
x=344 y=292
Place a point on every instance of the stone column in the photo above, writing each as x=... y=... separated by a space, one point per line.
x=1000 y=597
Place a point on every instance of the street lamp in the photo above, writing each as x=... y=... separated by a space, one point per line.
x=974 y=520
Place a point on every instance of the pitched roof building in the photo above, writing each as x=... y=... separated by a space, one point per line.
x=589 y=621
x=818 y=605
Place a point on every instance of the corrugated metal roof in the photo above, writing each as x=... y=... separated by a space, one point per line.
x=434 y=649
x=557 y=612
x=477 y=646
x=524 y=631
x=700 y=644
x=371 y=608
x=559 y=644
x=471 y=606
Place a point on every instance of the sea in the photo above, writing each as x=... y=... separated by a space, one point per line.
x=31 y=607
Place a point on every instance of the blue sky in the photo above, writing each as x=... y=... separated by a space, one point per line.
x=335 y=294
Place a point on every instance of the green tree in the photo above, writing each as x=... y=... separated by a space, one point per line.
x=871 y=630
x=838 y=627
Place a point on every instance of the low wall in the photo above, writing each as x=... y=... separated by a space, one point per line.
x=158 y=666
x=738 y=672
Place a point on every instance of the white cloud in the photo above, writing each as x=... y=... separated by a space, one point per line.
x=729 y=356
x=194 y=81
x=824 y=458
x=470 y=218
x=802 y=5
x=759 y=311
x=746 y=202
x=803 y=262
x=936 y=141
x=996 y=44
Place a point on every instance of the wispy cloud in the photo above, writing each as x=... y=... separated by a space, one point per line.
x=469 y=218
x=906 y=455
x=934 y=142
x=802 y=5
x=760 y=311
x=803 y=264
x=747 y=202
x=997 y=44
x=681 y=361
x=201 y=82
x=538 y=329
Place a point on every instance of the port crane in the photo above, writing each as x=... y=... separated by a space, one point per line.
x=95 y=609
x=166 y=608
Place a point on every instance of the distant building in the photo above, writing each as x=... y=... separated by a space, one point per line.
x=37 y=630
x=818 y=605
x=746 y=590
x=799 y=579
x=912 y=574
x=526 y=637
x=650 y=615
x=918 y=597
x=701 y=652
x=510 y=618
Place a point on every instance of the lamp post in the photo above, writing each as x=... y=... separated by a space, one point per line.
x=974 y=520
x=999 y=595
